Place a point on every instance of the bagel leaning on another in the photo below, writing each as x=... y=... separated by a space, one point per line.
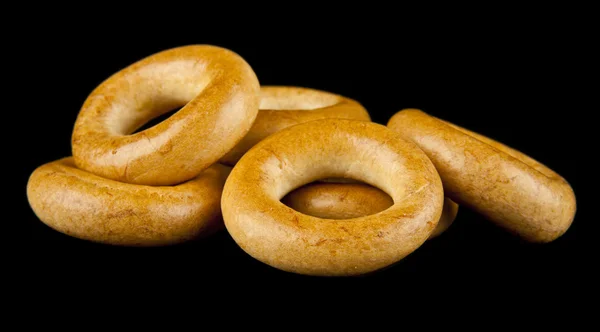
x=219 y=93
x=511 y=189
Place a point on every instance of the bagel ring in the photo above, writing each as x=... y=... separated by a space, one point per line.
x=220 y=92
x=295 y=242
x=285 y=106
x=89 y=207
x=509 y=188
x=353 y=200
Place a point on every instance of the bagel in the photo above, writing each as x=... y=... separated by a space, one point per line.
x=509 y=188
x=286 y=239
x=284 y=106
x=353 y=200
x=89 y=207
x=220 y=94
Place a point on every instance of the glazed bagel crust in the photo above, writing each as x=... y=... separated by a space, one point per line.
x=83 y=205
x=353 y=200
x=285 y=106
x=509 y=188
x=292 y=241
x=220 y=92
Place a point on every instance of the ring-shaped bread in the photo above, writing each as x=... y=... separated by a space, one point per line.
x=219 y=93
x=284 y=238
x=89 y=207
x=509 y=188
x=285 y=106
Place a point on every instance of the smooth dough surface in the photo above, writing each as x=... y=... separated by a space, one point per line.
x=509 y=188
x=219 y=93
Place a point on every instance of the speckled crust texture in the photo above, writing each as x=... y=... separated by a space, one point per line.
x=278 y=235
x=509 y=188
x=89 y=207
x=285 y=106
x=353 y=200
x=219 y=93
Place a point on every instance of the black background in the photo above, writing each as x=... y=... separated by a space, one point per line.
x=514 y=86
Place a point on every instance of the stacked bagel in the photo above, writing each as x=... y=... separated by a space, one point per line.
x=300 y=178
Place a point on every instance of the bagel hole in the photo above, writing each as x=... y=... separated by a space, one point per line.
x=338 y=198
x=278 y=99
x=156 y=120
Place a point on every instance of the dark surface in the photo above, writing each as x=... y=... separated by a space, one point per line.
x=517 y=91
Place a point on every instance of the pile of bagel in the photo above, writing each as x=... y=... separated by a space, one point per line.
x=302 y=179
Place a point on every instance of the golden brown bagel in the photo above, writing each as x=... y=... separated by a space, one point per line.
x=292 y=241
x=284 y=106
x=506 y=186
x=86 y=206
x=220 y=93
x=352 y=200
